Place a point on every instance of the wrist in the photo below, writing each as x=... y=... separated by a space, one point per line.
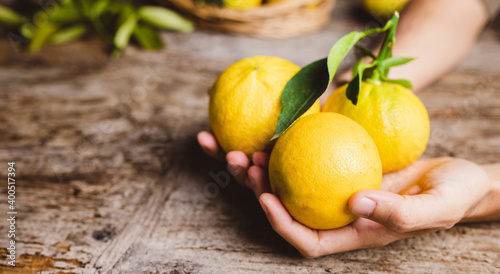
x=493 y=171
x=488 y=209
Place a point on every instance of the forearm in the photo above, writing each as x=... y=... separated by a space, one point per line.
x=438 y=34
x=488 y=209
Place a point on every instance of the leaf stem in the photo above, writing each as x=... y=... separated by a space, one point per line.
x=389 y=39
x=386 y=50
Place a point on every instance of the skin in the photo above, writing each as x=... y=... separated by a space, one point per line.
x=431 y=194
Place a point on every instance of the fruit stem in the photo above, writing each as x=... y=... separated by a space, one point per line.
x=386 y=50
x=377 y=72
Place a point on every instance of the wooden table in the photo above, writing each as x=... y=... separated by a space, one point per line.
x=111 y=179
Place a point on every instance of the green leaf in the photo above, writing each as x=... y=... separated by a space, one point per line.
x=392 y=62
x=27 y=30
x=65 y=14
x=84 y=6
x=124 y=10
x=124 y=32
x=354 y=86
x=300 y=93
x=98 y=8
x=147 y=37
x=403 y=82
x=343 y=46
x=9 y=17
x=68 y=34
x=41 y=37
x=165 y=18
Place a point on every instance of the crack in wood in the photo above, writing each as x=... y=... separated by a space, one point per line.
x=139 y=222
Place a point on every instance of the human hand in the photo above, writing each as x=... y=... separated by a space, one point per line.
x=238 y=163
x=429 y=195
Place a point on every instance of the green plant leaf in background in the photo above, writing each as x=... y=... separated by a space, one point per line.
x=98 y=8
x=115 y=21
x=123 y=10
x=165 y=18
x=65 y=13
x=10 y=17
x=27 y=31
x=125 y=31
x=310 y=82
x=41 y=36
x=68 y=34
x=147 y=37
x=84 y=6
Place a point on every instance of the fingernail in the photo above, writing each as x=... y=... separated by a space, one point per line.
x=235 y=169
x=264 y=206
x=364 y=207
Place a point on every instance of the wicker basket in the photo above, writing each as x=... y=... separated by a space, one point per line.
x=277 y=20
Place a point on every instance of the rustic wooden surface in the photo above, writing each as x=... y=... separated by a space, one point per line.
x=111 y=180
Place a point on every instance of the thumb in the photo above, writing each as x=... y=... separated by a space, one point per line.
x=404 y=213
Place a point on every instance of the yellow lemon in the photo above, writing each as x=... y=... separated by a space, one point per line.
x=241 y=4
x=245 y=102
x=394 y=117
x=384 y=8
x=318 y=164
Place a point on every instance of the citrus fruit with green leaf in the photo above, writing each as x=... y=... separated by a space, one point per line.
x=384 y=8
x=245 y=102
x=394 y=117
x=318 y=164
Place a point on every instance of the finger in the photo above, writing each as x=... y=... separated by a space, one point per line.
x=363 y=233
x=258 y=180
x=238 y=165
x=209 y=144
x=400 y=181
x=412 y=190
x=261 y=159
x=405 y=213
x=304 y=239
